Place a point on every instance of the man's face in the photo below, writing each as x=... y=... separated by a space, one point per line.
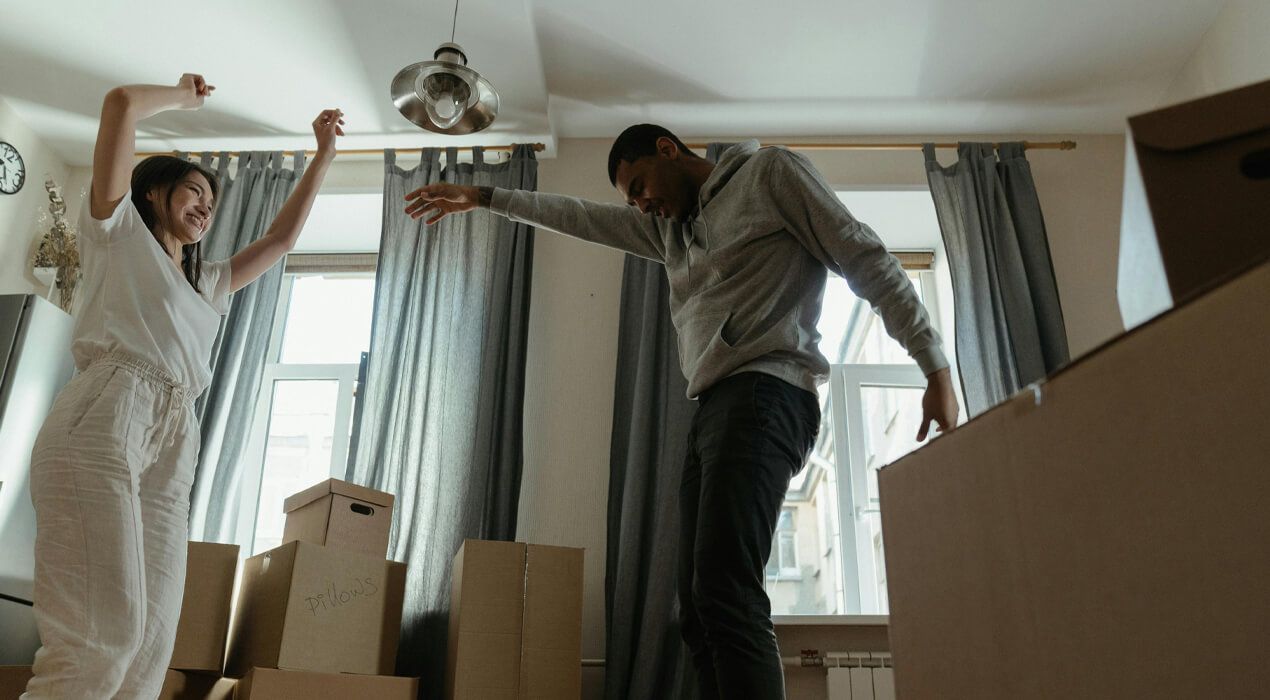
x=657 y=184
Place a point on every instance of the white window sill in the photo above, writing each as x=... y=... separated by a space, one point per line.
x=842 y=620
x=786 y=577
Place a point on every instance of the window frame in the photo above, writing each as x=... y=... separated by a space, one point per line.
x=859 y=570
x=275 y=370
x=793 y=570
x=857 y=590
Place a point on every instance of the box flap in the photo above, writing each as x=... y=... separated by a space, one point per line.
x=343 y=488
x=551 y=631
x=1207 y=120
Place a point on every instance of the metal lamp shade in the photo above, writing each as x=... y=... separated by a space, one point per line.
x=413 y=82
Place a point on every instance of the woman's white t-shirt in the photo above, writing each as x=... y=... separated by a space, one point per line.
x=134 y=299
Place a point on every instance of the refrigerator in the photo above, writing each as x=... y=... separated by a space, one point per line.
x=35 y=363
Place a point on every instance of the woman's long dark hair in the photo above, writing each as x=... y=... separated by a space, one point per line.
x=162 y=173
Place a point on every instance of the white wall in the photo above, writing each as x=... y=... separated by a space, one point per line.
x=19 y=213
x=1234 y=52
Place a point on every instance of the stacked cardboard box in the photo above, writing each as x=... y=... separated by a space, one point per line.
x=273 y=684
x=324 y=603
x=1105 y=536
x=336 y=513
x=177 y=685
x=1195 y=202
x=515 y=622
x=199 y=653
x=204 y=623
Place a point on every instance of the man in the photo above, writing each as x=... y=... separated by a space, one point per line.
x=747 y=245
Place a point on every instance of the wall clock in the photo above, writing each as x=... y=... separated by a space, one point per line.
x=12 y=169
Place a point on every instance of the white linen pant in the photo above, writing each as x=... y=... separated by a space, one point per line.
x=111 y=475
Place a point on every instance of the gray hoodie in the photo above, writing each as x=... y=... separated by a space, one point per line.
x=747 y=274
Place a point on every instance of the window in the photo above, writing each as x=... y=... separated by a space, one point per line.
x=784 y=561
x=870 y=409
x=303 y=418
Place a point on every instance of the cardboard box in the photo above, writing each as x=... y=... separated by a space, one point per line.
x=197 y=686
x=336 y=513
x=13 y=681
x=1106 y=538
x=309 y=608
x=176 y=685
x=273 y=684
x=1195 y=205
x=204 y=623
x=515 y=622
x=487 y=607
x=551 y=637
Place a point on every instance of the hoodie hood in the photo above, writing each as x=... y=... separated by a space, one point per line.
x=730 y=161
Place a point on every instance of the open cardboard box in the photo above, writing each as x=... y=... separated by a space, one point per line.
x=1105 y=536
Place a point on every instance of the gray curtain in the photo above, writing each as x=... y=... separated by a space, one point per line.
x=646 y=659
x=248 y=203
x=1010 y=329
x=441 y=420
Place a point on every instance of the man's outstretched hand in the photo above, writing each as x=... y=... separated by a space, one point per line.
x=939 y=404
x=440 y=200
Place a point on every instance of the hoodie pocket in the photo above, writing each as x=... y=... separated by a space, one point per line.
x=700 y=337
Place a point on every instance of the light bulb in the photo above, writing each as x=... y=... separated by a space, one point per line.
x=445 y=98
x=445 y=110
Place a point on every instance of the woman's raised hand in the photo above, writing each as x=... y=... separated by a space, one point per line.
x=328 y=125
x=194 y=90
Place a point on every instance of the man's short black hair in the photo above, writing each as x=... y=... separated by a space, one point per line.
x=639 y=141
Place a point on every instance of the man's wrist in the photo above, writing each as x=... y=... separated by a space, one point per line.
x=484 y=196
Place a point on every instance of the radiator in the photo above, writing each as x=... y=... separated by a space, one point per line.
x=856 y=675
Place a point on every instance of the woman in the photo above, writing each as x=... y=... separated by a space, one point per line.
x=113 y=465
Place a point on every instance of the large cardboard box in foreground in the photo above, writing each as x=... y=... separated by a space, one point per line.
x=204 y=622
x=176 y=685
x=1106 y=537
x=272 y=684
x=311 y=608
x=1196 y=200
x=339 y=514
x=515 y=622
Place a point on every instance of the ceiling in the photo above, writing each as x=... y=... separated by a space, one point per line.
x=588 y=68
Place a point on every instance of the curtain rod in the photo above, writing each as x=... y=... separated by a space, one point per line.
x=1030 y=145
x=538 y=147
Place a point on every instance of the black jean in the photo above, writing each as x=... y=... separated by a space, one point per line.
x=751 y=434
